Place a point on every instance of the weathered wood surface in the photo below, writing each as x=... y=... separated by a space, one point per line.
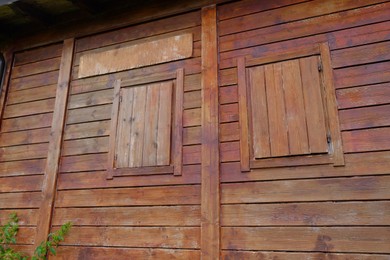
x=53 y=156
x=311 y=211
x=143 y=54
x=141 y=196
x=210 y=197
x=333 y=209
x=329 y=239
x=130 y=216
x=107 y=253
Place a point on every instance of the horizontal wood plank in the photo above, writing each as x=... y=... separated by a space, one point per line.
x=192 y=117
x=33 y=94
x=231 y=10
x=377 y=94
x=27 y=167
x=38 y=80
x=21 y=183
x=272 y=17
x=20 y=200
x=31 y=151
x=28 y=122
x=156 y=237
x=37 y=54
x=85 y=146
x=365 y=117
x=27 y=217
x=30 y=108
x=306 y=27
x=146 y=196
x=356 y=165
x=139 y=31
x=85 y=130
x=366 y=140
x=25 y=137
x=107 y=253
x=362 y=75
x=307 y=214
x=89 y=162
x=129 y=216
x=334 y=189
x=36 y=67
x=370 y=53
x=329 y=239
x=91 y=99
x=254 y=255
x=98 y=179
x=370 y=33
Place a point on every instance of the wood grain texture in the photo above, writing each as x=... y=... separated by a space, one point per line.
x=307 y=214
x=53 y=156
x=210 y=223
x=107 y=253
x=278 y=129
x=129 y=216
x=152 y=237
x=37 y=54
x=331 y=106
x=358 y=164
x=378 y=94
x=328 y=239
x=144 y=54
x=140 y=196
x=254 y=255
x=243 y=118
x=375 y=139
x=306 y=27
x=178 y=123
x=335 y=189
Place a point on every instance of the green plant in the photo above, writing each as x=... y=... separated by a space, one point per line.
x=8 y=234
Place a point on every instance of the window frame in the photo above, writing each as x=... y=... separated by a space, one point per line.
x=176 y=145
x=335 y=154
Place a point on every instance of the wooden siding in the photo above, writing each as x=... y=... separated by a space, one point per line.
x=24 y=136
x=210 y=203
x=309 y=210
x=173 y=201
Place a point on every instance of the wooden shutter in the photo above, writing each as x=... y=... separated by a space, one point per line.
x=144 y=126
x=287 y=108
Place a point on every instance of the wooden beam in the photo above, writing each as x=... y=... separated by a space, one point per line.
x=210 y=194
x=331 y=105
x=56 y=134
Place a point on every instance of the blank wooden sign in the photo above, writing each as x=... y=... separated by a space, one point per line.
x=137 y=55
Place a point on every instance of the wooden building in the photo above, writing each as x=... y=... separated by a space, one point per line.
x=198 y=129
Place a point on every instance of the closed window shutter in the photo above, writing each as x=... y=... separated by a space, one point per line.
x=287 y=109
x=144 y=126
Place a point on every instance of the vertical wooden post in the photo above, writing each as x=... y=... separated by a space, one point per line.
x=53 y=156
x=210 y=196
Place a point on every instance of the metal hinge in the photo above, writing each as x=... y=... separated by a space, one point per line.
x=328 y=139
x=320 y=66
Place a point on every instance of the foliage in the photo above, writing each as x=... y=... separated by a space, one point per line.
x=8 y=234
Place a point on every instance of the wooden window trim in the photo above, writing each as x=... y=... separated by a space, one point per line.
x=335 y=155
x=175 y=166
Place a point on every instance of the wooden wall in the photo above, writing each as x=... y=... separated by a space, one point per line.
x=159 y=214
x=298 y=212
x=303 y=212
x=25 y=132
